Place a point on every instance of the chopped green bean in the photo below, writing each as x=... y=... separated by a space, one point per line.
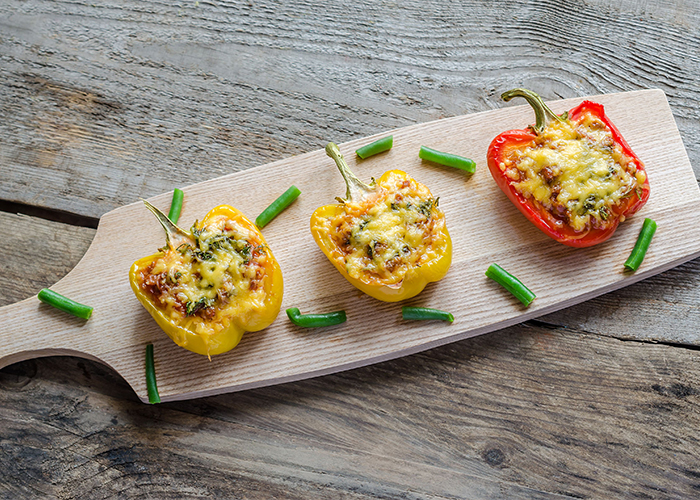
x=176 y=205
x=64 y=303
x=277 y=206
x=316 y=320
x=151 y=385
x=425 y=313
x=375 y=147
x=510 y=283
x=447 y=159
x=640 y=248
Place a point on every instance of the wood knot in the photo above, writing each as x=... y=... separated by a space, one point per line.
x=679 y=391
x=494 y=457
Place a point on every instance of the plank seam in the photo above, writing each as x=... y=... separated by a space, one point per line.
x=50 y=214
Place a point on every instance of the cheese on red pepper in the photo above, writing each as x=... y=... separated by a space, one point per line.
x=576 y=171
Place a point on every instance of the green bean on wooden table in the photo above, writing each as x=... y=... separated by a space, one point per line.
x=151 y=385
x=277 y=206
x=315 y=320
x=640 y=248
x=447 y=159
x=373 y=148
x=421 y=313
x=176 y=205
x=64 y=303
x=510 y=283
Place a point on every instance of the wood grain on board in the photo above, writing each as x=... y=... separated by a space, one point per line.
x=485 y=228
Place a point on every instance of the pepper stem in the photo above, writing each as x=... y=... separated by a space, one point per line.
x=173 y=234
x=543 y=115
x=355 y=187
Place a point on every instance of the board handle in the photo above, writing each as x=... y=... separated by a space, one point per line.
x=31 y=329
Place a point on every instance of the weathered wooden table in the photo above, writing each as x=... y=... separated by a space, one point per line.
x=103 y=103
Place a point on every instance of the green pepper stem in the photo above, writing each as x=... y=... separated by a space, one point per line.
x=173 y=234
x=543 y=115
x=356 y=189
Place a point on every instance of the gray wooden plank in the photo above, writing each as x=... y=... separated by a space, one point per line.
x=112 y=102
x=664 y=308
x=37 y=253
x=527 y=412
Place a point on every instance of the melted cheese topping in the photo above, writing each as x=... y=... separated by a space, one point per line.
x=575 y=171
x=203 y=287
x=393 y=230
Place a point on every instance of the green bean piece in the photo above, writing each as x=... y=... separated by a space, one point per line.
x=510 y=283
x=426 y=313
x=640 y=248
x=64 y=303
x=176 y=205
x=447 y=159
x=151 y=385
x=277 y=206
x=315 y=320
x=375 y=147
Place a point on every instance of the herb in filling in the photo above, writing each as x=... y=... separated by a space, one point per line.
x=388 y=233
x=215 y=278
x=575 y=171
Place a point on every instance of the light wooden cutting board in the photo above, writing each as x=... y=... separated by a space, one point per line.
x=484 y=225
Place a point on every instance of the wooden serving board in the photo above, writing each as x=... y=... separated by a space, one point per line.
x=484 y=225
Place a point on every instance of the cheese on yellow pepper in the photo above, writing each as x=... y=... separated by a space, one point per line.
x=388 y=239
x=210 y=285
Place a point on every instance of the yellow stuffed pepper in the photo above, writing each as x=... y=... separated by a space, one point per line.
x=209 y=286
x=388 y=239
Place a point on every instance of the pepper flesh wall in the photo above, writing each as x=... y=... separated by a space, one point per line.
x=573 y=175
x=388 y=239
x=210 y=285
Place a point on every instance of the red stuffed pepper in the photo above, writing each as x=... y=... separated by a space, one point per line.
x=572 y=175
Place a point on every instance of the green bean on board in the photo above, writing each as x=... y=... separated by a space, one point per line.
x=151 y=385
x=315 y=320
x=176 y=205
x=510 y=283
x=64 y=303
x=420 y=313
x=277 y=206
x=373 y=148
x=447 y=159
x=640 y=248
